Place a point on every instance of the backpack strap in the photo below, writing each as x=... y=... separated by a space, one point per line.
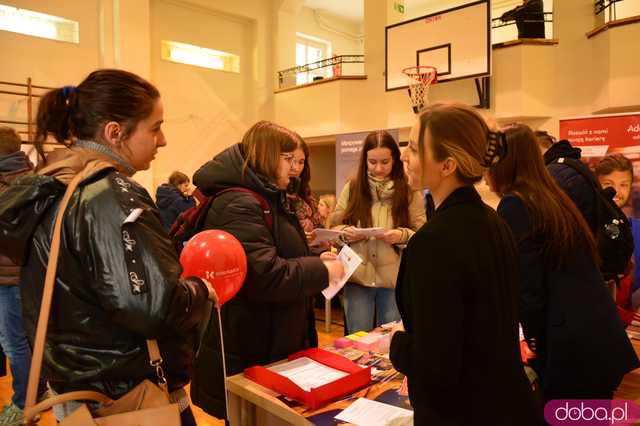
x=264 y=204
x=191 y=221
x=580 y=168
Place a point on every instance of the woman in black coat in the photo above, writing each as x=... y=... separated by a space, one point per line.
x=567 y=315
x=270 y=317
x=457 y=287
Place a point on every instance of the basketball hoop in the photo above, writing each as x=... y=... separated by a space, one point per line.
x=419 y=79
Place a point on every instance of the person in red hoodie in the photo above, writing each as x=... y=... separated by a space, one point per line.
x=616 y=171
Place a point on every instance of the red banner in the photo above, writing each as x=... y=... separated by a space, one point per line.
x=599 y=136
x=602 y=135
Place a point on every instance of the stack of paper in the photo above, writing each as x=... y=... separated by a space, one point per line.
x=307 y=373
x=365 y=412
x=633 y=331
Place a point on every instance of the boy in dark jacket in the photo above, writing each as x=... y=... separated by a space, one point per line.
x=571 y=181
x=173 y=198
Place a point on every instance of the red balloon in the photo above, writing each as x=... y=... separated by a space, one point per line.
x=218 y=257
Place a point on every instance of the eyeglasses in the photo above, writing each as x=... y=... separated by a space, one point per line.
x=290 y=158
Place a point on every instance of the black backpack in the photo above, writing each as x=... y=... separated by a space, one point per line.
x=191 y=221
x=613 y=232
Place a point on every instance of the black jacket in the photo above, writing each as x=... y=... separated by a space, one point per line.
x=11 y=167
x=270 y=317
x=572 y=183
x=171 y=202
x=104 y=306
x=529 y=19
x=583 y=350
x=457 y=293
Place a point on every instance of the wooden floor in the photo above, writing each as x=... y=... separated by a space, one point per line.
x=202 y=418
x=629 y=389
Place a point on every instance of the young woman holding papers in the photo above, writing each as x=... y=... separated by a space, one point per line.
x=458 y=284
x=378 y=198
x=270 y=317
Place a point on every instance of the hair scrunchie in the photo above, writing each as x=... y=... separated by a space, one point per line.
x=67 y=91
x=496 y=148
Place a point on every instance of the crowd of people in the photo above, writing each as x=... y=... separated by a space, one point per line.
x=463 y=282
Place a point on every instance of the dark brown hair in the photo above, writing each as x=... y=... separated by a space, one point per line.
x=457 y=131
x=304 y=191
x=544 y=139
x=614 y=163
x=178 y=178
x=9 y=141
x=81 y=112
x=262 y=145
x=358 y=211
x=557 y=224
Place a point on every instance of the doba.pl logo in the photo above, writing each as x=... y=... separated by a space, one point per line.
x=587 y=412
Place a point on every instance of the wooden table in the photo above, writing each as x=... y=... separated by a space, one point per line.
x=252 y=404
x=630 y=386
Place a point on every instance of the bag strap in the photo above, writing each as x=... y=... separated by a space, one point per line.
x=264 y=204
x=68 y=397
x=45 y=309
x=576 y=165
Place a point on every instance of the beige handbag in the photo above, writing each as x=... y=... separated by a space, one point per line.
x=145 y=405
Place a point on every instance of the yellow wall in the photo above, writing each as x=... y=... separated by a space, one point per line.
x=205 y=110
x=344 y=40
x=49 y=62
x=102 y=44
x=208 y=110
x=535 y=84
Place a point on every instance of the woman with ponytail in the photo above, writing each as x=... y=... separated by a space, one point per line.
x=568 y=317
x=457 y=288
x=118 y=278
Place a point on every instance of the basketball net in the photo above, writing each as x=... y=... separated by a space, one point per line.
x=419 y=79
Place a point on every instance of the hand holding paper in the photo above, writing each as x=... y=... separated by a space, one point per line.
x=369 y=232
x=324 y=236
x=351 y=233
x=392 y=236
x=350 y=262
x=336 y=270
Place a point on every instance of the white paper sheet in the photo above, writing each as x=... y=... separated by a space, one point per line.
x=350 y=260
x=366 y=412
x=308 y=373
x=324 y=235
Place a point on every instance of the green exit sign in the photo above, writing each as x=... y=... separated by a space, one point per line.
x=398 y=6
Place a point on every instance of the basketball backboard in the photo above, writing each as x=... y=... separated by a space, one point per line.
x=456 y=41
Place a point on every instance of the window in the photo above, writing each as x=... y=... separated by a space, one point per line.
x=23 y=21
x=311 y=49
x=199 y=56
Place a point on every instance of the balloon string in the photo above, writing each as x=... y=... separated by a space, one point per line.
x=224 y=363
